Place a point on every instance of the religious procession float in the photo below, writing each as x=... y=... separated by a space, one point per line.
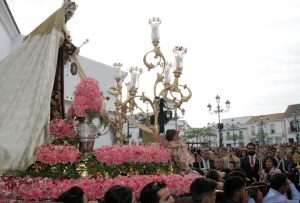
x=41 y=159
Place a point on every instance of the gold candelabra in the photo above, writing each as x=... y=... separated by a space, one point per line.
x=163 y=87
x=296 y=160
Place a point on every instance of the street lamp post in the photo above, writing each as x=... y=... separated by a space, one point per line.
x=261 y=124
x=219 y=110
x=233 y=127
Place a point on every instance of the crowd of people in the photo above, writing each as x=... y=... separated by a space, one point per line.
x=262 y=174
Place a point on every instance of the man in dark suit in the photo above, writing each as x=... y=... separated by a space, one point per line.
x=250 y=163
x=205 y=161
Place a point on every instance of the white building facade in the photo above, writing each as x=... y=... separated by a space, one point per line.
x=267 y=129
x=235 y=131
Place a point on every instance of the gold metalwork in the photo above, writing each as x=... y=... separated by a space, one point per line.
x=82 y=170
x=106 y=175
x=174 y=92
x=171 y=170
x=296 y=159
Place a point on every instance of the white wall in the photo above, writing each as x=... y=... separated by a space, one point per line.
x=8 y=31
x=5 y=42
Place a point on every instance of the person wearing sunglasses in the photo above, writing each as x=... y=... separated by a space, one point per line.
x=156 y=192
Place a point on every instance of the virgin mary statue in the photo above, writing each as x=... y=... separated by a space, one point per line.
x=31 y=79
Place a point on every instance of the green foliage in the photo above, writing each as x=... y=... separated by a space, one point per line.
x=66 y=140
x=92 y=114
x=39 y=169
x=199 y=132
x=104 y=120
x=238 y=137
x=89 y=163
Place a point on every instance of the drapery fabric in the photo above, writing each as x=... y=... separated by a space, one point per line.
x=26 y=83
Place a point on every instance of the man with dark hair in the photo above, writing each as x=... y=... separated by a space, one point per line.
x=119 y=194
x=279 y=185
x=74 y=195
x=170 y=134
x=250 y=163
x=156 y=192
x=234 y=190
x=203 y=190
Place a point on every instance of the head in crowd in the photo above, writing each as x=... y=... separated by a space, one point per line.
x=251 y=149
x=238 y=173
x=289 y=155
x=171 y=134
x=279 y=182
x=203 y=190
x=213 y=175
x=237 y=151
x=279 y=153
x=231 y=164
x=119 y=194
x=219 y=162
x=156 y=192
x=229 y=152
x=73 y=195
x=234 y=187
x=205 y=153
x=243 y=153
x=239 y=170
x=269 y=162
x=273 y=152
x=254 y=188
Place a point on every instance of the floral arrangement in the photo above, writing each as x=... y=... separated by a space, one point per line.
x=60 y=129
x=66 y=161
x=87 y=100
x=126 y=153
x=52 y=155
x=28 y=188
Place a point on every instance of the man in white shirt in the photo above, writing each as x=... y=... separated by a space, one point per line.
x=279 y=185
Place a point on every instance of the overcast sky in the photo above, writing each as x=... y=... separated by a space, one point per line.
x=246 y=51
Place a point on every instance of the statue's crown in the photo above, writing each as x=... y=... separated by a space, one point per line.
x=71 y=5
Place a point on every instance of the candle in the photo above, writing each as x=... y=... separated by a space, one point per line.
x=135 y=76
x=167 y=73
x=154 y=23
x=118 y=66
x=179 y=53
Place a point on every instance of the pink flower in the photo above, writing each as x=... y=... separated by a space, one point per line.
x=87 y=98
x=141 y=154
x=56 y=127
x=60 y=129
x=53 y=155
x=28 y=188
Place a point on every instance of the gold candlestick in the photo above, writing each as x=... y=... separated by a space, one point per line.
x=296 y=160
